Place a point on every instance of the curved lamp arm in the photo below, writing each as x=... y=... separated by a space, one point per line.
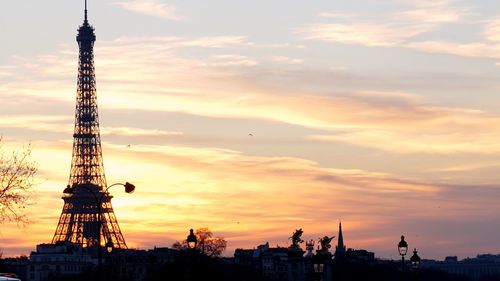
x=129 y=188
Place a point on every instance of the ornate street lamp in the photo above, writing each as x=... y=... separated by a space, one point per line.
x=109 y=248
x=319 y=264
x=129 y=188
x=415 y=260
x=192 y=241
x=402 y=249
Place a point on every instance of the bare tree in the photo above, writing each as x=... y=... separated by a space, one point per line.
x=207 y=244
x=17 y=172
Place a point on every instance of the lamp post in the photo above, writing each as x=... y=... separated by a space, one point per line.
x=402 y=249
x=319 y=266
x=109 y=249
x=415 y=262
x=98 y=195
x=192 y=241
x=320 y=261
x=109 y=246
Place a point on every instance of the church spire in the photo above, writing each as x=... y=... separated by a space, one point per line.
x=340 y=249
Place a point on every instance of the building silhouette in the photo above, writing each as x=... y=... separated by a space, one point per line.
x=61 y=259
x=87 y=218
x=273 y=263
x=482 y=267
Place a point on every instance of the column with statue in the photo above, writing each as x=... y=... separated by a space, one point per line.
x=323 y=259
x=295 y=257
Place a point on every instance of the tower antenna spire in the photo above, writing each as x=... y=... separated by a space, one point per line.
x=86 y=11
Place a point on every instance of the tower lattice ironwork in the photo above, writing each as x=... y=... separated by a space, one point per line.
x=87 y=217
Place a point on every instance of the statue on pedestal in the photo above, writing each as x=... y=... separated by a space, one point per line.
x=325 y=243
x=296 y=238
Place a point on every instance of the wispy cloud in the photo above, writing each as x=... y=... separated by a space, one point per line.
x=155 y=8
x=368 y=34
x=432 y=12
x=406 y=26
x=137 y=132
x=403 y=27
x=232 y=60
x=287 y=59
x=487 y=46
x=492 y=31
x=403 y=30
x=337 y=15
x=473 y=50
x=40 y=123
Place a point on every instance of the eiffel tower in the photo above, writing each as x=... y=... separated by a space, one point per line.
x=87 y=217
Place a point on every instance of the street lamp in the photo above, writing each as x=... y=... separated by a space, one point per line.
x=402 y=249
x=192 y=241
x=415 y=260
x=98 y=195
x=319 y=264
x=109 y=246
x=318 y=267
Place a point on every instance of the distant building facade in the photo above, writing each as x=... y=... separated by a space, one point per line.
x=14 y=267
x=67 y=259
x=51 y=260
x=473 y=269
x=137 y=264
x=360 y=256
x=272 y=263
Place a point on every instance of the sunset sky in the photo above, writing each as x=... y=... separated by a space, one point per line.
x=255 y=118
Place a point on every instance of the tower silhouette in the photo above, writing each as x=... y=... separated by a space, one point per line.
x=340 y=249
x=87 y=217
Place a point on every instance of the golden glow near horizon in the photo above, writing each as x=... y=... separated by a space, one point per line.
x=385 y=121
